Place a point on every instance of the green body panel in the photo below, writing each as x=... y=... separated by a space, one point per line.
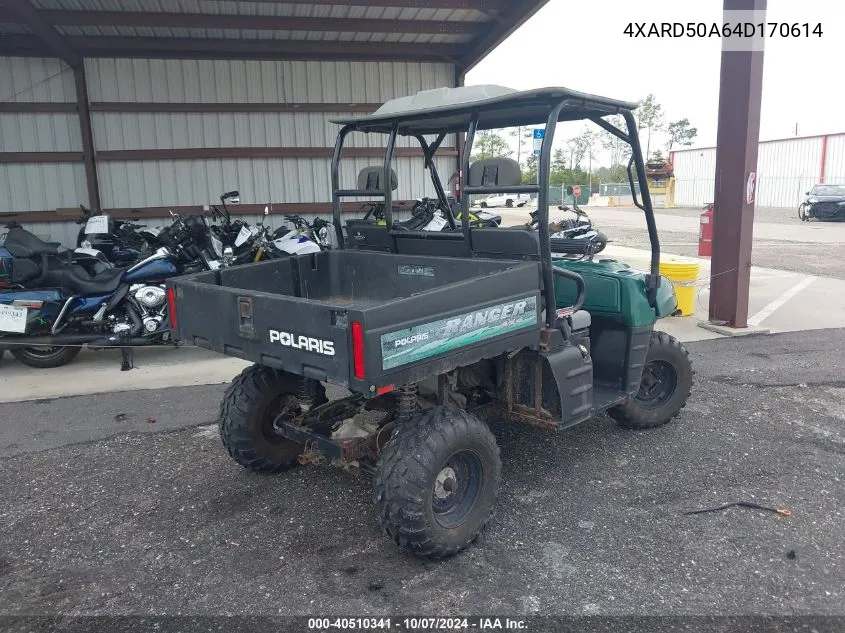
x=615 y=291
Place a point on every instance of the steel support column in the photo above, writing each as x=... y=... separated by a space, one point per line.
x=87 y=137
x=736 y=159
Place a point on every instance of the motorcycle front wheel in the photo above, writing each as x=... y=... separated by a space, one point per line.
x=45 y=357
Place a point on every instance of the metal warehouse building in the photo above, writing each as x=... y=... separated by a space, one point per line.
x=143 y=106
x=786 y=170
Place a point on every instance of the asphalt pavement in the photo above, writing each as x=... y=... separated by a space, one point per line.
x=127 y=504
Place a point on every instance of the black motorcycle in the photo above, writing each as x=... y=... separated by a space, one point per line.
x=123 y=242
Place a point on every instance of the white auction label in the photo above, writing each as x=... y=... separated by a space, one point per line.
x=98 y=224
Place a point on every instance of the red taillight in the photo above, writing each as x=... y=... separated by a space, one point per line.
x=171 y=307
x=358 y=350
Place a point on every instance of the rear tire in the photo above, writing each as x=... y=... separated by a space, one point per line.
x=45 y=358
x=249 y=407
x=483 y=205
x=437 y=482
x=665 y=387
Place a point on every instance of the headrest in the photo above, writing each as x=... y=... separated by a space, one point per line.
x=494 y=172
x=370 y=179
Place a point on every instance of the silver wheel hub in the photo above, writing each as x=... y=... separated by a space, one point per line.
x=446 y=483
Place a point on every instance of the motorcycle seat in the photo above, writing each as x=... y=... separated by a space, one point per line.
x=79 y=282
x=22 y=243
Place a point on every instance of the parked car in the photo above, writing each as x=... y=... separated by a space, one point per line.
x=503 y=200
x=824 y=202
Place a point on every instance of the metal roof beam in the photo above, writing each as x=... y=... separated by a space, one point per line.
x=24 y=13
x=511 y=16
x=259 y=22
x=478 y=5
x=180 y=48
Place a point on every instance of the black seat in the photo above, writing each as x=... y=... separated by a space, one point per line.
x=79 y=282
x=22 y=243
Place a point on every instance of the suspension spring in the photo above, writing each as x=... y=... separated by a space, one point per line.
x=407 y=402
x=309 y=394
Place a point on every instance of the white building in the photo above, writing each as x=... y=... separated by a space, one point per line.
x=786 y=170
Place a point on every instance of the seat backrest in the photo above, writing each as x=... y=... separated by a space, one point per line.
x=494 y=172
x=505 y=243
x=22 y=243
x=371 y=179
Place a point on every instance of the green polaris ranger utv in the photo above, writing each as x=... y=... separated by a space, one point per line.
x=434 y=333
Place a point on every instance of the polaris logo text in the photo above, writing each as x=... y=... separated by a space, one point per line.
x=408 y=340
x=485 y=317
x=305 y=343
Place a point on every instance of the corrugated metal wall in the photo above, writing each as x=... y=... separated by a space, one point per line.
x=786 y=170
x=46 y=186
x=834 y=172
x=29 y=186
x=295 y=180
x=695 y=176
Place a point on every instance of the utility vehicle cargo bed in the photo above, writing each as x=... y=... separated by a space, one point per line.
x=363 y=319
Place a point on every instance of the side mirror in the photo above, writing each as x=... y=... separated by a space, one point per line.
x=808 y=193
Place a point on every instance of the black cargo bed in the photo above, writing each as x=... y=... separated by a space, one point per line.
x=418 y=315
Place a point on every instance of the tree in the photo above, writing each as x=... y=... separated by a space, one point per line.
x=580 y=147
x=490 y=144
x=649 y=117
x=615 y=174
x=558 y=161
x=524 y=136
x=618 y=149
x=680 y=133
x=529 y=173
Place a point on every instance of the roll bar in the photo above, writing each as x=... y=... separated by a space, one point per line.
x=541 y=189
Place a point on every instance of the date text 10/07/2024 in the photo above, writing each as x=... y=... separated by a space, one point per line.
x=417 y=624
x=725 y=30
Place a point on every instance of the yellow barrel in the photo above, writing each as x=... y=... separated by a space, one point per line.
x=683 y=273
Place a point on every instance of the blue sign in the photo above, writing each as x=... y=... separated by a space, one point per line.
x=539 y=134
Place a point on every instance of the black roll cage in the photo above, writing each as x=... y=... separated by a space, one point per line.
x=541 y=189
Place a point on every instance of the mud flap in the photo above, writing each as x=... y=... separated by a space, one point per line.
x=551 y=389
x=571 y=368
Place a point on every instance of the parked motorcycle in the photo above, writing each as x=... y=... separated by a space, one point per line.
x=426 y=215
x=64 y=307
x=567 y=232
x=123 y=242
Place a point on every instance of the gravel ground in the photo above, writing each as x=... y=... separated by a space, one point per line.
x=797 y=257
x=589 y=521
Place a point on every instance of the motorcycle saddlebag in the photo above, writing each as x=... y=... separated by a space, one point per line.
x=16 y=270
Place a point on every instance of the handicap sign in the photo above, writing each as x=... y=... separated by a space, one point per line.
x=539 y=134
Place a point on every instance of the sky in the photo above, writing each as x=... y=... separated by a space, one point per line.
x=582 y=45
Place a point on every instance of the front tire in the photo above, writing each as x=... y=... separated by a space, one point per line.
x=249 y=407
x=509 y=204
x=437 y=482
x=45 y=357
x=666 y=385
